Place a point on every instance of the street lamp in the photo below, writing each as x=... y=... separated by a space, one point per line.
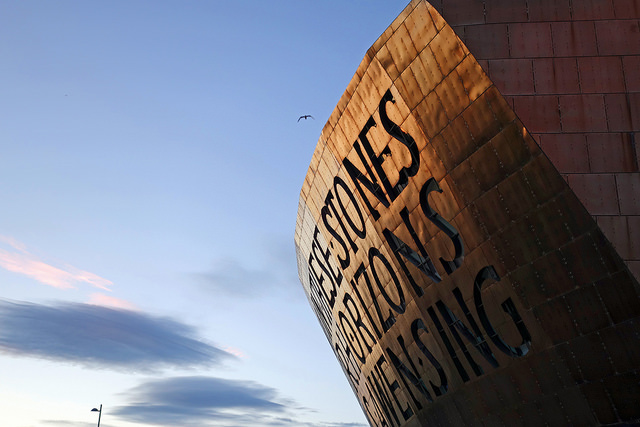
x=99 y=411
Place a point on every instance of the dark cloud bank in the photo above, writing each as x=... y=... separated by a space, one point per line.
x=103 y=337
x=208 y=401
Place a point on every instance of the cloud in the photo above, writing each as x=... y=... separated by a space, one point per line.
x=67 y=423
x=208 y=401
x=232 y=278
x=19 y=260
x=102 y=337
x=19 y=246
x=271 y=272
x=196 y=400
x=108 y=301
x=236 y=352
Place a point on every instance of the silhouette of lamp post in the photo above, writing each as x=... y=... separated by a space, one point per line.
x=99 y=411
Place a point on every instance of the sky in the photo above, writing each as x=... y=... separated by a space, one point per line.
x=151 y=161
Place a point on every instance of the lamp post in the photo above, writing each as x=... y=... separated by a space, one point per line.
x=99 y=411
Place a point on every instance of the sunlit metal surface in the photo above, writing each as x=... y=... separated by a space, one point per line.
x=457 y=277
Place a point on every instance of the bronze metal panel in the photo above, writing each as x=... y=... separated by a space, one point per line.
x=456 y=275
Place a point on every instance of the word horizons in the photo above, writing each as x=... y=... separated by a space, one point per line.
x=356 y=313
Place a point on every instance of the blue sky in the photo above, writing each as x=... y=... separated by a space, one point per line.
x=151 y=162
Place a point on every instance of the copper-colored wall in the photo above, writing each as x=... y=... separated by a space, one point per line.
x=455 y=271
x=571 y=71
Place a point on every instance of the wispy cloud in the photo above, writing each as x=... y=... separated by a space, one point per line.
x=208 y=401
x=236 y=352
x=19 y=246
x=102 y=337
x=230 y=277
x=19 y=260
x=109 y=301
x=274 y=273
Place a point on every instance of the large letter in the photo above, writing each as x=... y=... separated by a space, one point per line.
x=509 y=307
x=324 y=213
x=409 y=373
x=474 y=337
x=319 y=301
x=447 y=343
x=382 y=417
x=442 y=224
x=400 y=306
x=330 y=297
x=335 y=276
x=423 y=261
x=359 y=178
x=396 y=132
x=345 y=357
x=355 y=330
x=355 y=286
x=416 y=326
x=361 y=233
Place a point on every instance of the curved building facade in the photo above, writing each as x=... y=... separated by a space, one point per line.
x=468 y=231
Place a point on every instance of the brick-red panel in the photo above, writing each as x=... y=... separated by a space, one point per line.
x=631 y=68
x=463 y=12
x=530 y=40
x=618 y=37
x=507 y=11
x=611 y=152
x=629 y=193
x=487 y=41
x=512 y=76
x=574 y=38
x=592 y=9
x=583 y=113
x=556 y=75
x=621 y=230
x=538 y=113
x=550 y=10
x=618 y=112
x=568 y=152
x=597 y=192
x=625 y=9
x=602 y=74
x=634 y=110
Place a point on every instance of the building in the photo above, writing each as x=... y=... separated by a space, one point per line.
x=468 y=231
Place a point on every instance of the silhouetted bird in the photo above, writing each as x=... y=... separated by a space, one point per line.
x=306 y=116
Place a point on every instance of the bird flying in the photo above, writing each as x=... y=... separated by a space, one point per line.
x=306 y=116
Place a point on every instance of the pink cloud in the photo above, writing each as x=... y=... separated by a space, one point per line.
x=19 y=246
x=22 y=262
x=238 y=353
x=107 y=301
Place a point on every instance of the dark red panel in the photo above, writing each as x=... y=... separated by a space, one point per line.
x=556 y=75
x=618 y=37
x=512 y=76
x=487 y=41
x=601 y=74
x=530 y=40
x=597 y=192
x=539 y=113
x=583 y=113
x=574 y=39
